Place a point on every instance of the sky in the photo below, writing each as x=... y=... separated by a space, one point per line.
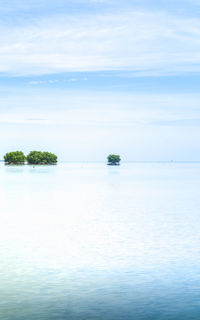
x=86 y=78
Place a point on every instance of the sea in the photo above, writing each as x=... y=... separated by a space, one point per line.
x=87 y=241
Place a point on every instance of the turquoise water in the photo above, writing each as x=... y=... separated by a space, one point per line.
x=88 y=241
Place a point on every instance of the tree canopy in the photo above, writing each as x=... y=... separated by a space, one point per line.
x=113 y=159
x=38 y=157
x=15 y=157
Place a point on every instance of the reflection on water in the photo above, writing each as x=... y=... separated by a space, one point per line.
x=87 y=241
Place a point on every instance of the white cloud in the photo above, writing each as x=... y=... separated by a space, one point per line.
x=148 y=42
x=49 y=81
x=72 y=80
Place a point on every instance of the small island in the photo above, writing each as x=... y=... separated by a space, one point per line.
x=38 y=157
x=113 y=160
x=15 y=157
x=34 y=157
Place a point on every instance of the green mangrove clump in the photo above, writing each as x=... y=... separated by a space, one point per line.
x=113 y=159
x=15 y=157
x=38 y=157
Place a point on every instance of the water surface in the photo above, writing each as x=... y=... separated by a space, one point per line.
x=90 y=241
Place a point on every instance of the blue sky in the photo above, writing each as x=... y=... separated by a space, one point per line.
x=85 y=78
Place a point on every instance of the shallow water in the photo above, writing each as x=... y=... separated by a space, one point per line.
x=90 y=241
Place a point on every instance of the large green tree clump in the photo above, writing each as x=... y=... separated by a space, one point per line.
x=113 y=159
x=15 y=157
x=38 y=157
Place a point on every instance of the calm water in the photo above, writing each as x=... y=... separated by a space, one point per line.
x=88 y=241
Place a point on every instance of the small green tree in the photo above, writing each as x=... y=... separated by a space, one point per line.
x=15 y=157
x=38 y=157
x=114 y=159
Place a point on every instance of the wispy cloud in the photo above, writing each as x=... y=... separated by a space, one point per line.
x=37 y=82
x=55 y=81
x=71 y=80
x=141 y=41
x=36 y=119
x=190 y=122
